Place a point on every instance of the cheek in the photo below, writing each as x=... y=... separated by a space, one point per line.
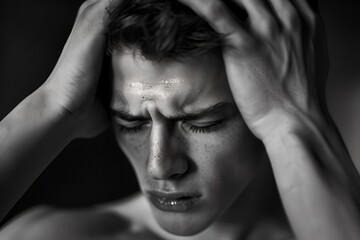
x=136 y=149
x=223 y=160
x=227 y=160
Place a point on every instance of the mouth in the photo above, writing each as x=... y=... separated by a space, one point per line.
x=174 y=201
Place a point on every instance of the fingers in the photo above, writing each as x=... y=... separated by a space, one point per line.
x=295 y=15
x=306 y=11
x=77 y=71
x=85 y=5
x=261 y=18
x=220 y=18
x=85 y=44
x=93 y=14
x=287 y=14
x=266 y=17
x=87 y=35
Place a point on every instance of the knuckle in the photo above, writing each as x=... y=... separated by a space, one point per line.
x=89 y=16
x=240 y=43
x=267 y=26
x=84 y=6
x=88 y=8
x=83 y=11
x=237 y=41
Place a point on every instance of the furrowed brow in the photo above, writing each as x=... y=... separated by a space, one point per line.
x=217 y=108
x=125 y=115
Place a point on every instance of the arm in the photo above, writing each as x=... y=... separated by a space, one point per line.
x=276 y=65
x=32 y=135
x=62 y=109
x=318 y=198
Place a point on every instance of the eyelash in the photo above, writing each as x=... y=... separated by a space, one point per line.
x=187 y=126
x=195 y=129
x=130 y=131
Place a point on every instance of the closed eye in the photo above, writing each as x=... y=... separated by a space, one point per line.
x=202 y=127
x=131 y=127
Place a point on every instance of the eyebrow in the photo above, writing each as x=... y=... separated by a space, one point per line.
x=220 y=107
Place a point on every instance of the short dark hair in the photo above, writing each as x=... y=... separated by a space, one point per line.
x=160 y=29
x=165 y=29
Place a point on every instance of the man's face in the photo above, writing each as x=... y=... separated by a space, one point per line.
x=178 y=124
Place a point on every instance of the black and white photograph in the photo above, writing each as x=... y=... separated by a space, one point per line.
x=180 y=120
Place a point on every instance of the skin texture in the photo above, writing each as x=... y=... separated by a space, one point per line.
x=62 y=109
x=167 y=154
x=274 y=77
x=265 y=60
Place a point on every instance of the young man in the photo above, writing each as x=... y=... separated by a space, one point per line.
x=216 y=115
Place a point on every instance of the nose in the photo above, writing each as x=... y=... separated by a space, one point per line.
x=165 y=159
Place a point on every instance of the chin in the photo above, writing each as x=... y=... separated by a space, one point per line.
x=182 y=224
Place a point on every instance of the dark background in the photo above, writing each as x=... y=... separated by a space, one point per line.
x=32 y=34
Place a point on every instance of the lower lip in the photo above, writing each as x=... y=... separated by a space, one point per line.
x=173 y=205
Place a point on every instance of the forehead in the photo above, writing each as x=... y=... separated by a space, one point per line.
x=167 y=84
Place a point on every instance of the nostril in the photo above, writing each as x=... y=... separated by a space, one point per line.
x=161 y=169
x=176 y=176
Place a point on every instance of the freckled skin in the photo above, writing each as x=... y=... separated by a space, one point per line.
x=167 y=156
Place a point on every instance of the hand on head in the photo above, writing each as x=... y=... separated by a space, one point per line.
x=270 y=60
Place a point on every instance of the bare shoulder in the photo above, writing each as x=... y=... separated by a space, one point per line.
x=12 y=229
x=50 y=223
x=89 y=223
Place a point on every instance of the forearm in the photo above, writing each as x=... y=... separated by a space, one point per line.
x=31 y=136
x=313 y=184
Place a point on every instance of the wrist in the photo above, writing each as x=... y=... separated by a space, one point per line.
x=89 y=121
x=296 y=125
x=53 y=114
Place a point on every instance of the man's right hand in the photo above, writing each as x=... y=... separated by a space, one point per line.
x=63 y=108
x=73 y=82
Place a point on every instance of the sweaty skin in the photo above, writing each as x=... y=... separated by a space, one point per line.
x=166 y=155
x=188 y=127
x=226 y=165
